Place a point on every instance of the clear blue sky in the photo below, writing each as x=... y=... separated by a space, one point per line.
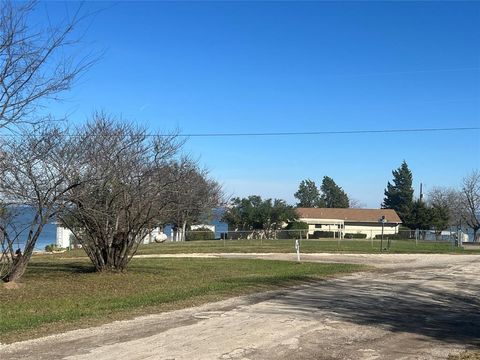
x=293 y=66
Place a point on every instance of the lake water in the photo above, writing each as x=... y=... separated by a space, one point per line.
x=49 y=233
x=47 y=237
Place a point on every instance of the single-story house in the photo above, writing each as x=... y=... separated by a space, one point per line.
x=350 y=221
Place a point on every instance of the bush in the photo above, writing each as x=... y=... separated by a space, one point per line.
x=355 y=236
x=321 y=234
x=53 y=247
x=291 y=234
x=294 y=230
x=200 y=234
x=297 y=225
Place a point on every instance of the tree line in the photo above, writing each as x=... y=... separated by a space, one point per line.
x=442 y=208
x=265 y=216
x=329 y=195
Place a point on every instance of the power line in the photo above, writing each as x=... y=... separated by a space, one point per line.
x=295 y=133
x=328 y=132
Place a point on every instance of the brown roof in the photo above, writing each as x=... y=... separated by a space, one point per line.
x=360 y=215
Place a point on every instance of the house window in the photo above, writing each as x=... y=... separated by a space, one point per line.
x=318 y=226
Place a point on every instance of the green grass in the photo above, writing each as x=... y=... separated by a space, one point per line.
x=288 y=246
x=61 y=294
x=307 y=246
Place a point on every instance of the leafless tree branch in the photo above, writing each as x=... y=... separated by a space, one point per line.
x=34 y=65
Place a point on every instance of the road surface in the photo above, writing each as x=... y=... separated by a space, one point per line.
x=414 y=307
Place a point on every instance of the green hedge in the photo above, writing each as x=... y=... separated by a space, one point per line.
x=297 y=225
x=200 y=234
x=292 y=234
x=355 y=236
x=294 y=230
x=321 y=234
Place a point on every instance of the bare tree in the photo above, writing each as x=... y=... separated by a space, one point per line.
x=33 y=63
x=449 y=199
x=34 y=177
x=192 y=195
x=356 y=204
x=470 y=201
x=125 y=179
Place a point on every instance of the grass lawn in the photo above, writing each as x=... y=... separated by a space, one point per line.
x=288 y=246
x=307 y=246
x=62 y=294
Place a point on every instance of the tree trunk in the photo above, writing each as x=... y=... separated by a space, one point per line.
x=184 y=229
x=18 y=268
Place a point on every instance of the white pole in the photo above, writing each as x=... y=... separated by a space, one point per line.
x=297 y=248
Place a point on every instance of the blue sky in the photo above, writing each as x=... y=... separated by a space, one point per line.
x=229 y=67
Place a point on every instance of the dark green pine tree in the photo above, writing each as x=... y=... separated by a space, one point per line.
x=333 y=195
x=440 y=218
x=420 y=216
x=399 y=195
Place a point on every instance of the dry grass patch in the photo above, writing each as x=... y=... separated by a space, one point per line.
x=467 y=355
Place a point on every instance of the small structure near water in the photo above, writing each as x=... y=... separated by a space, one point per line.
x=65 y=238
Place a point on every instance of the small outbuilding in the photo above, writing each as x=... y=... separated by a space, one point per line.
x=349 y=222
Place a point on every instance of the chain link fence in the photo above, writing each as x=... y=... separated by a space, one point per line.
x=404 y=240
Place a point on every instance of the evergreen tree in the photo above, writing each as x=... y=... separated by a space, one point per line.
x=440 y=218
x=420 y=216
x=399 y=195
x=308 y=194
x=333 y=195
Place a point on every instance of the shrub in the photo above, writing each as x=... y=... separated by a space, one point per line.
x=294 y=230
x=297 y=225
x=200 y=234
x=53 y=247
x=321 y=234
x=291 y=234
x=355 y=236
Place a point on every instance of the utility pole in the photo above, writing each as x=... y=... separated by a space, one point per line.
x=383 y=220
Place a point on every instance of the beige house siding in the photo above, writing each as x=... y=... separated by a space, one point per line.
x=350 y=221
x=370 y=230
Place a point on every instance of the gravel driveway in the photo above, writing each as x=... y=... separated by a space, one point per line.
x=414 y=307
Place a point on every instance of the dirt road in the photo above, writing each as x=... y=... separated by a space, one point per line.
x=415 y=307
